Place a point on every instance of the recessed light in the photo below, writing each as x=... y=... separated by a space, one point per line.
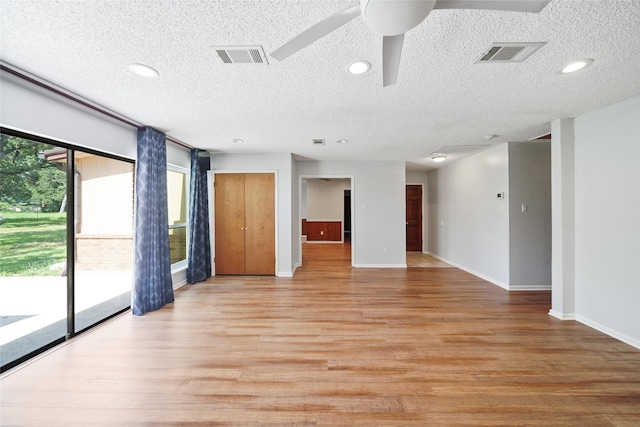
x=342 y=141
x=143 y=70
x=359 y=68
x=238 y=141
x=439 y=158
x=576 y=65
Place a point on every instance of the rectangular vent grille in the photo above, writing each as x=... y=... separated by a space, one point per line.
x=509 y=52
x=241 y=54
x=318 y=142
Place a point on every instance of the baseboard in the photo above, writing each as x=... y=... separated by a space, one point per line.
x=562 y=316
x=470 y=271
x=529 y=287
x=289 y=273
x=380 y=265
x=179 y=284
x=611 y=332
x=179 y=278
x=285 y=274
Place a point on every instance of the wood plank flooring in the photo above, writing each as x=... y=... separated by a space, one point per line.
x=334 y=346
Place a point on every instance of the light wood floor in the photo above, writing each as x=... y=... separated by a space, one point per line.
x=334 y=346
x=417 y=259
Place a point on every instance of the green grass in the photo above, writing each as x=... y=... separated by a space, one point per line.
x=30 y=242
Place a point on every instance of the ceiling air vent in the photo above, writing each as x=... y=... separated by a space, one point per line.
x=241 y=54
x=318 y=142
x=509 y=52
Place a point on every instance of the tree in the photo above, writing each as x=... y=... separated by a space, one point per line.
x=50 y=189
x=21 y=169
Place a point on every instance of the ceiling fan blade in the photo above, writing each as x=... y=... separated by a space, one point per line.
x=316 y=32
x=391 y=52
x=532 y=6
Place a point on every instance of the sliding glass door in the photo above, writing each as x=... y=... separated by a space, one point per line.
x=66 y=227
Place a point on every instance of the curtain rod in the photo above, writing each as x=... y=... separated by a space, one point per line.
x=83 y=102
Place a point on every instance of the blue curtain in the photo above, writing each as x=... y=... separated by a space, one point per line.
x=152 y=286
x=199 y=261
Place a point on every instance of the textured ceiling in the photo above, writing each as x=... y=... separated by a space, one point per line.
x=442 y=97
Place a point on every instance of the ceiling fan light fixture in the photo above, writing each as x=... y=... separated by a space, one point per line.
x=438 y=158
x=574 y=66
x=359 y=68
x=391 y=18
x=143 y=70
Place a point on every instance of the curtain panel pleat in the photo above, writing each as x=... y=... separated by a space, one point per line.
x=199 y=260
x=152 y=287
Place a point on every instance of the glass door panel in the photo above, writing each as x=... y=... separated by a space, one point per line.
x=33 y=282
x=103 y=237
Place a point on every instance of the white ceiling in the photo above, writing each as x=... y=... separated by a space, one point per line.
x=442 y=97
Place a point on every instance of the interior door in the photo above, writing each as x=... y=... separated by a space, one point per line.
x=229 y=224
x=260 y=255
x=414 y=218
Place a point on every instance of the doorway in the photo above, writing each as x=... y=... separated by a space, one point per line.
x=326 y=214
x=347 y=216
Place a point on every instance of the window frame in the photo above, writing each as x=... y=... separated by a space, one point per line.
x=182 y=264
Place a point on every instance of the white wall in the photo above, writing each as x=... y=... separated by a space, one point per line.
x=31 y=109
x=282 y=165
x=468 y=226
x=303 y=198
x=562 y=219
x=37 y=111
x=530 y=215
x=296 y=217
x=178 y=156
x=325 y=200
x=607 y=220
x=378 y=228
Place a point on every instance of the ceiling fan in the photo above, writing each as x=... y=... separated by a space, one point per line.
x=393 y=18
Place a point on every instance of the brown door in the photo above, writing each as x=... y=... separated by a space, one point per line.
x=244 y=224
x=414 y=218
x=259 y=214
x=229 y=223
